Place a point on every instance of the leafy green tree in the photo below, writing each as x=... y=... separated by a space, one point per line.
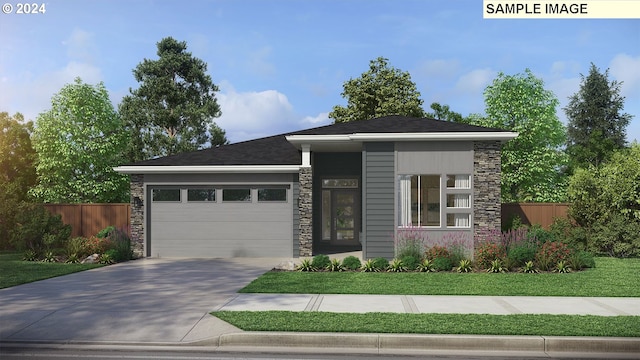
x=605 y=202
x=79 y=141
x=596 y=125
x=532 y=163
x=381 y=91
x=17 y=169
x=173 y=109
x=444 y=112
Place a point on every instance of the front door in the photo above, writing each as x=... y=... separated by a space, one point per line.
x=341 y=216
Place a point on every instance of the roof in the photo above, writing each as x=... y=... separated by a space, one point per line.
x=280 y=150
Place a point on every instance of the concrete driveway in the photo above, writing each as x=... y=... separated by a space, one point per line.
x=146 y=300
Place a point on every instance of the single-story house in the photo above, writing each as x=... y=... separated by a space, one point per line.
x=346 y=186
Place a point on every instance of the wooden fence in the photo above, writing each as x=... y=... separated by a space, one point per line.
x=88 y=219
x=534 y=213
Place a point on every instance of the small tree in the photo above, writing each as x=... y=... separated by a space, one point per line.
x=79 y=141
x=17 y=169
x=532 y=163
x=596 y=127
x=381 y=91
x=605 y=202
x=173 y=109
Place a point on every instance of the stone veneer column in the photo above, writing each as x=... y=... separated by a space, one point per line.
x=305 y=206
x=137 y=215
x=486 y=187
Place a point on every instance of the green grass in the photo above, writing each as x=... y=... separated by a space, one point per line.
x=14 y=271
x=611 y=277
x=521 y=324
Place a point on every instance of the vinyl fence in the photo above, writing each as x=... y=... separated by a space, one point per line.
x=88 y=219
x=534 y=213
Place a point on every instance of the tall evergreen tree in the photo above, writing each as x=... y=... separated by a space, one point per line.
x=173 y=109
x=597 y=126
x=381 y=91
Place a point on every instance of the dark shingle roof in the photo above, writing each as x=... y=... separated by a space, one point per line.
x=276 y=150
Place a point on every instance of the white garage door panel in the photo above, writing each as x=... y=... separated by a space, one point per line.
x=207 y=230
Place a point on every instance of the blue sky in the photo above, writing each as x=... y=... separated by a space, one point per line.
x=281 y=64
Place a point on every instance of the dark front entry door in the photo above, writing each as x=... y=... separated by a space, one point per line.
x=345 y=215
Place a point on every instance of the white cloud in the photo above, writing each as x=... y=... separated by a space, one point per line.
x=439 y=68
x=626 y=68
x=475 y=81
x=318 y=120
x=81 y=46
x=255 y=114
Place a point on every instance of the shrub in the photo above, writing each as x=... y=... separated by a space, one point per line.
x=488 y=252
x=96 y=245
x=106 y=231
x=464 y=266
x=409 y=242
x=305 y=265
x=410 y=262
x=49 y=257
x=121 y=244
x=76 y=246
x=519 y=254
x=529 y=268
x=30 y=255
x=437 y=251
x=396 y=265
x=616 y=236
x=37 y=229
x=569 y=233
x=368 y=266
x=425 y=266
x=580 y=259
x=551 y=253
x=442 y=264
x=72 y=259
x=457 y=252
x=380 y=264
x=497 y=267
x=562 y=267
x=335 y=265
x=351 y=263
x=108 y=257
x=537 y=232
x=320 y=261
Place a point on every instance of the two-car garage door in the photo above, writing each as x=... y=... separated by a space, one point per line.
x=220 y=222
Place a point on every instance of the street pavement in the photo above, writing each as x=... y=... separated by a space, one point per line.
x=166 y=302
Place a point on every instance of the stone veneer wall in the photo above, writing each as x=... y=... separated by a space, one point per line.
x=305 y=206
x=486 y=187
x=137 y=215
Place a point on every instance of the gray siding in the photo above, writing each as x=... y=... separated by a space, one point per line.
x=378 y=175
x=435 y=157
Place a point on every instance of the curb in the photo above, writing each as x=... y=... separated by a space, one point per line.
x=397 y=343
x=389 y=344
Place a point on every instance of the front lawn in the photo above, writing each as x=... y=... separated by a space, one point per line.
x=520 y=324
x=611 y=277
x=14 y=271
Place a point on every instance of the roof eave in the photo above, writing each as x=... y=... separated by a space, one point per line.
x=503 y=136
x=207 y=169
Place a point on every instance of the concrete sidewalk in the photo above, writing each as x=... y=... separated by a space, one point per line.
x=498 y=305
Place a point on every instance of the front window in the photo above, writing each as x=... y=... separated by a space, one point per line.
x=419 y=200
x=266 y=194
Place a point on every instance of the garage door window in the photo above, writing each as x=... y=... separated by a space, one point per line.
x=267 y=195
x=236 y=195
x=166 y=195
x=200 y=195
